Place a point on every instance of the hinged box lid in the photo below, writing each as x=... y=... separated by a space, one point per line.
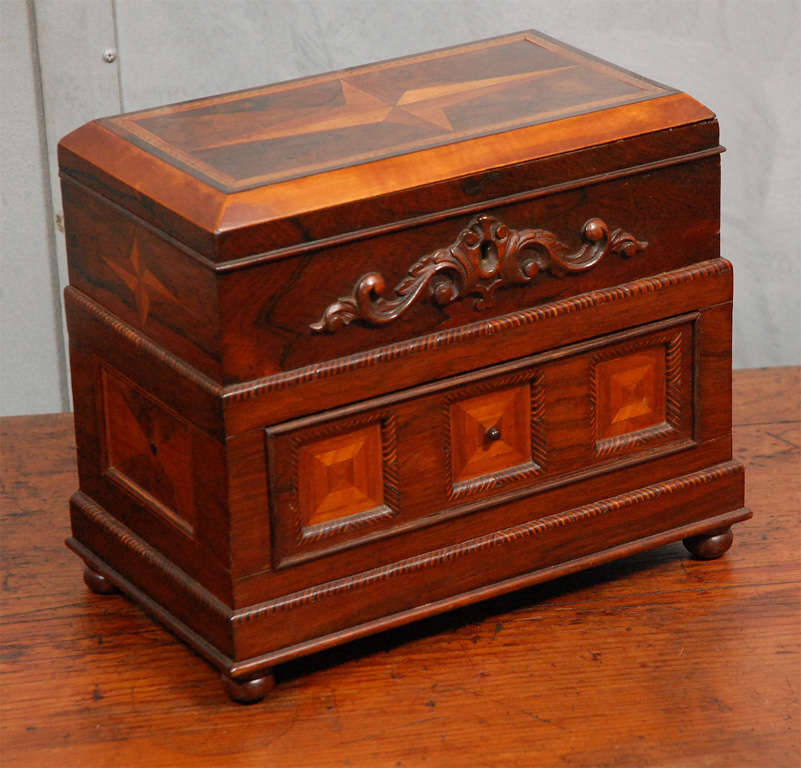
x=269 y=168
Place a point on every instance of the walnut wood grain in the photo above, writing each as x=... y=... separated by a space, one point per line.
x=529 y=670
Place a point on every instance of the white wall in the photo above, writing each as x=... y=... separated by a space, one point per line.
x=741 y=58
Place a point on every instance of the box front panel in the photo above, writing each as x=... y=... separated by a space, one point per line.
x=455 y=449
x=436 y=277
x=502 y=472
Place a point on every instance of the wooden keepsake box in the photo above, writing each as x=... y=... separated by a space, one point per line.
x=355 y=349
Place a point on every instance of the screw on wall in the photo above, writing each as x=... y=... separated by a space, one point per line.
x=109 y=55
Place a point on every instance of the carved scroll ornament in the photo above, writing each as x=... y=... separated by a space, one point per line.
x=486 y=255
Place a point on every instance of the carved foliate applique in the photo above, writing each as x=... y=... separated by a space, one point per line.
x=487 y=255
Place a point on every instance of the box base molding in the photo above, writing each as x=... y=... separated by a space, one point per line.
x=249 y=679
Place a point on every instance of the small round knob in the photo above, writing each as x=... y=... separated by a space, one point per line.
x=493 y=434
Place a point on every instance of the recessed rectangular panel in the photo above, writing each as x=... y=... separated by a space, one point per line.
x=631 y=392
x=331 y=483
x=494 y=433
x=491 y=432
x=641 y=392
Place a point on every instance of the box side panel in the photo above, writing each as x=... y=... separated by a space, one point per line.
x=143 y=461
x=143 y=277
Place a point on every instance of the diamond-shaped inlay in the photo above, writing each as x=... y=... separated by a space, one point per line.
x=341 y=475
x=490 y=433
x=631 y=392
x=148 y=450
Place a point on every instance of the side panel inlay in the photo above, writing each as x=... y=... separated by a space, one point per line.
x=148 y=450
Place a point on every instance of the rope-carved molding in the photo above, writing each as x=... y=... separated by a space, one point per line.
x=486 y=255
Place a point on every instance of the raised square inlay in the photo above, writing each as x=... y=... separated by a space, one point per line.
x=341 y=475
x=637 y=392
x=490 y=433
x=631 y=392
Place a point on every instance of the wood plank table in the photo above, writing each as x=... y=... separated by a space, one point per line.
x=656 y=660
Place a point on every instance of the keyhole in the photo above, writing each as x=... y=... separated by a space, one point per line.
x=488 y=261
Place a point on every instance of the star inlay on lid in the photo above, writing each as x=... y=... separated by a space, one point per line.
x=303 y=127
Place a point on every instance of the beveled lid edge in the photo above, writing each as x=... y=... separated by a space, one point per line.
x=461 y=159
x=201 y=215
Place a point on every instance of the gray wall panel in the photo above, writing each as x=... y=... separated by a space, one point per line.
x=31 y=369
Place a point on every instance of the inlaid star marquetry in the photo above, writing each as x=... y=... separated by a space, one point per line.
x=309 y=126
x=362 y=108
x=142 y=283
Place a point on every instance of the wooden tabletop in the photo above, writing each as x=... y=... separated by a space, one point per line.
x=656 y=660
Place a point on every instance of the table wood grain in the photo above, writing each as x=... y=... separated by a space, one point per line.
x=656 y=660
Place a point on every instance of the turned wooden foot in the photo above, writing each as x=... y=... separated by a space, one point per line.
x=97 y=582
x=248 y=691
x=708 y=546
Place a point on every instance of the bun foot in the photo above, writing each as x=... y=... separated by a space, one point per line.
x=708 y=546
x=97 y=582
x=248 y=691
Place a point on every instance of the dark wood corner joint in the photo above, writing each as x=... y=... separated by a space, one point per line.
x=486 y=255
